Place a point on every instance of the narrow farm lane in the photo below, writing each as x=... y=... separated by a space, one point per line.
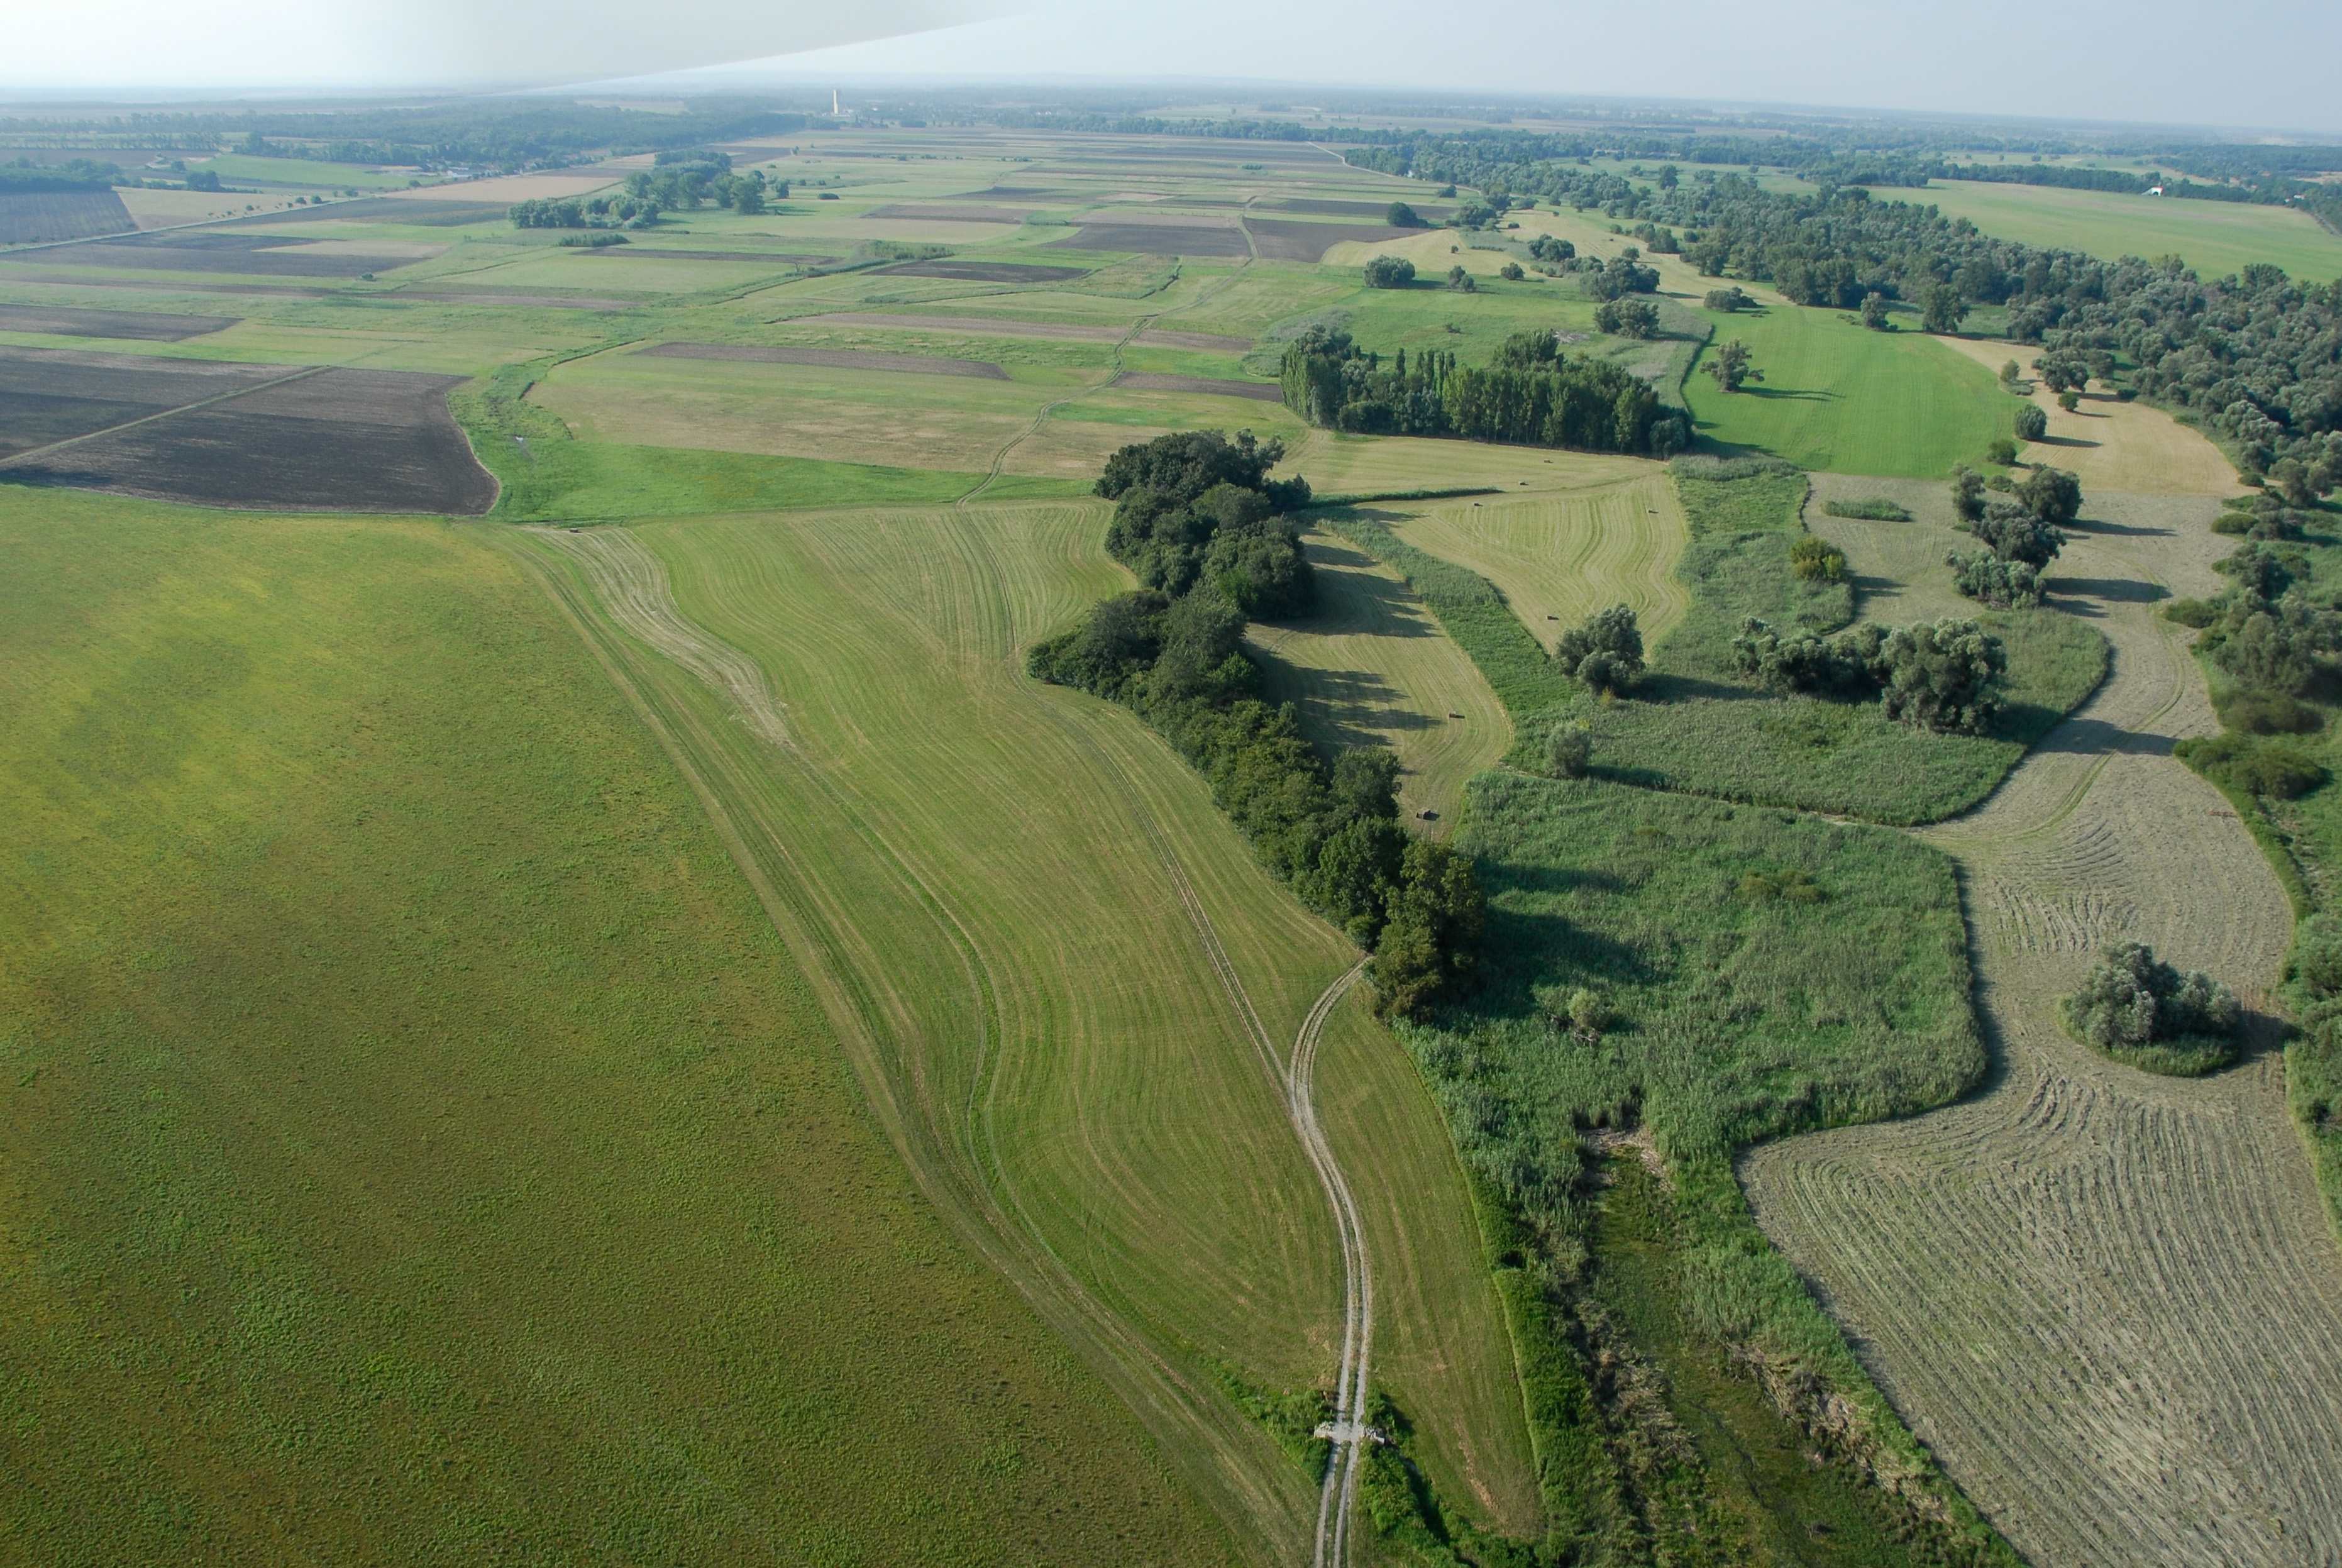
x=2110 y=1302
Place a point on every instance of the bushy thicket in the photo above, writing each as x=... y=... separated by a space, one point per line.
x=1984 y=576
x=1531 y=394
x=1173 y=652
x=1943 y=675
x=2137 y=1009
x=1196 y=507
x=1872 y=508
x=2251 y=354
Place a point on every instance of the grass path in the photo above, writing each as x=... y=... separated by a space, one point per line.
x=2108 y=1301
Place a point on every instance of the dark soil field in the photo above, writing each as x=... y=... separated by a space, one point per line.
x=1157 y=240
x=836 y=358
x=1141 y=381
x=254 y=256
x=335 y=440
x=34 y=217
x=988 y=272
x=1291 y=240
x=50 y=395
x=144 y=326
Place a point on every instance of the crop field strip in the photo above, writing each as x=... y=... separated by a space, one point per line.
x=1133 y=1244
x=833 y=358
x=528 y=1186
x=2108 y=1302
x=2213 y=238
x=67 y=321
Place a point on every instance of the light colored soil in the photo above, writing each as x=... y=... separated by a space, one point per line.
x=2111 y=445
x=510 y=188
x=1371 y=666
x=1352 y=464
x=2108 y=1301
x=168 y=209
x=1559 y=558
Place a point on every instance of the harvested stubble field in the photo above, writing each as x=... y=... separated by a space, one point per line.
x=982 y=876
x=415 y=1144
x=2107 y=443
x=1370 y=666
x=1557 y=560
x=833 y=358
x=2108 y=1302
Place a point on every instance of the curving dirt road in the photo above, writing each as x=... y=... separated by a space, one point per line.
x=2109 y=1302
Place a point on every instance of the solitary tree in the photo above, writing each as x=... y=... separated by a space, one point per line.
x=2032 y=424
x=1389 y=271
x=2130 y=1002
x=1511 y=272
x=2052 y=494
x=1942 y=308
x=1605 y=652
x=2000 y=451
x=1626 y=318
x=1731 y=367
x=2008 y=373
x=1402 y=217
x=1727 y=299
x=1944 y=676
x=1460 y=280
x=1873 y=311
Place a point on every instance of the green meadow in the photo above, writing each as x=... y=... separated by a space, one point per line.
x=2213 y=238
x=418 y=1141
x=1840 y=398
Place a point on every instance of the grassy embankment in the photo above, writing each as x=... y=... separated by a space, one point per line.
x=418 y=1144
x=981 y=873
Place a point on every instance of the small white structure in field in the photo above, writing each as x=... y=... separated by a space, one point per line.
x=2155 y=190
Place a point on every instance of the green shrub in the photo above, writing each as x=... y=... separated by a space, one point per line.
x=2137 y=1010
x=1871 y=508
x=1818 y=560
x=1389 y=271
x=2268 y=713
x=1606 y=651
x=2193 y=612
x=2001 y=450
x=2032 y=424
x=1984 y=576
x=2254 y=767
x=1569 y=748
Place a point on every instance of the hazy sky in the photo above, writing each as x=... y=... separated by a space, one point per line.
x=2266 y=64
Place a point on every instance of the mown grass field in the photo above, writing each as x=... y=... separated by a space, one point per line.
x=1558 y=560
x=978 y=870
x=1370 y=666
x=1839 y=398
x=417 y=1142
x=2213 y=238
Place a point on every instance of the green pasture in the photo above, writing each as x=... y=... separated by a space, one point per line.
x=2213 y=238
x=418 y=1143
x=1840 y=398
x=985 y=868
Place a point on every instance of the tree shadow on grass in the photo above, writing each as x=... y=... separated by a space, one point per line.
x=2120 y=530
x=1789 y=393
x=2112 y=590
x=1541 y=949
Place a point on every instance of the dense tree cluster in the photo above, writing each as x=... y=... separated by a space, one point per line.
x=1197 y=507
x=2005 y=584
x=2021 y=536
x=1174 y=651
x=1943 y=675
x=1531 y=394
x=73 y=175
x=2257 y=356
x=2131 y=1000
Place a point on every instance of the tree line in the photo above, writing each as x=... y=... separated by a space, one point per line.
x=648 y=194
x=1531 y=394
x=1199 y=522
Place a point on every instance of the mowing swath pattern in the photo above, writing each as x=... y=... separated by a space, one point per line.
x=1570 y=556
x=2110 y=1302
x=1370 y=666
x=965 y=859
